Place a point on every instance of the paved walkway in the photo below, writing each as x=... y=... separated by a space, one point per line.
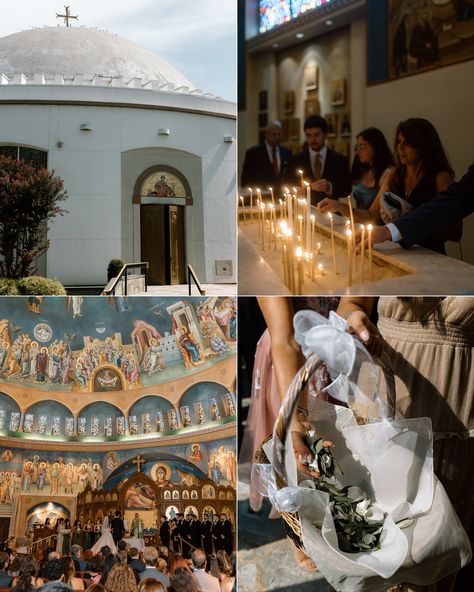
x=265 y=561
x=182 y=290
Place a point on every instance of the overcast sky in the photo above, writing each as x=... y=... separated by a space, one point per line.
x=198 y=37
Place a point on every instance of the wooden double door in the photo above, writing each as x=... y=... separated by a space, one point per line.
x=162 y=243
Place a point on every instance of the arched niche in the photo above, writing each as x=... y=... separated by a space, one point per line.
x=203 y=395
x=39 y=513
x=147 y=412
x=46 y=417
x=7 y=407
x=95 y=417
x=163 y=184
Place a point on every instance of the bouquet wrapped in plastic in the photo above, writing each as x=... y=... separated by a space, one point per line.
x=379 y=517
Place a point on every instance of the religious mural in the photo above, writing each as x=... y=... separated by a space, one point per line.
x=163 y=184
x=424 y=35
x=46 y=473
x=111 y=344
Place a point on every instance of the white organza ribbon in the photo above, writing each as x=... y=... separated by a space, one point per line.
x=287 y=499
x=343 y=354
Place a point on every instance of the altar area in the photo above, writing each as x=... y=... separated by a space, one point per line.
x=271 y=264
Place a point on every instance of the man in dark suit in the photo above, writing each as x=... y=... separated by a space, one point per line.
x=195 y=531
x=206 y=534
x=118 y=528
x=327 y=170
x=164 y=532
x=134 y=560
x=222 y=534
x=264 y=163
x=150 y=556
x=446 y=208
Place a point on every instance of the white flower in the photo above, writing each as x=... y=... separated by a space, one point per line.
x=355 y=493
x=374 y=514
x=362 y=507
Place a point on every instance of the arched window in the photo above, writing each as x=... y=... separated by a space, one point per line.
x=34 y=156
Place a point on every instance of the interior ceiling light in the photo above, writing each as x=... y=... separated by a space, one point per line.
x=299 y=35
x=329 y=22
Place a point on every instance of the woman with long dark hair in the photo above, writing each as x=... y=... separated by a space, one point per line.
x=422 y=170
x=373 y=162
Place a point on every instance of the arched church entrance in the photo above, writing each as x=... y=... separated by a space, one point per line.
x=163 y=193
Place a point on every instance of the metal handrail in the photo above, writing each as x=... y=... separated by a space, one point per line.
x=192 y=275
x=31 y=545
x=124 y=272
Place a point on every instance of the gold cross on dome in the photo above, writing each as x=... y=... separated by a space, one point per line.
x=67 y=16
x=138 y=461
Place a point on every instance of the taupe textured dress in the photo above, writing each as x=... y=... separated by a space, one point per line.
x=430 y=351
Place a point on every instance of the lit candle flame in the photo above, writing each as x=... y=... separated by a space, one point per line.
x=299 y=252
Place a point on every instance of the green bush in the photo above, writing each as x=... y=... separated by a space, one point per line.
x=115 y=265
x=29 y=198
x=8 y=287
x=37 y=285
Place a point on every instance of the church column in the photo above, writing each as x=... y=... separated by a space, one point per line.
x=22 y=418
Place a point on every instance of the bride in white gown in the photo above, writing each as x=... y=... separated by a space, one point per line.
x=105 y=538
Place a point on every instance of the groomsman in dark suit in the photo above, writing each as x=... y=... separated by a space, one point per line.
x=222 y=534
x=264 y=163
x=164 y=531
x=206 y=534
x=327 y=170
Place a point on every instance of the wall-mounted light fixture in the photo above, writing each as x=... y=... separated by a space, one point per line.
x=59 y=144
x=85 y=127
x=164 y=131
x=229 y=139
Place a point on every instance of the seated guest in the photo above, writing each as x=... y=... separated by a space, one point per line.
x=53 y=570
x=134 y=561
x=207 y=583
x=422 y=170
x=176 y=561
x=109 y=561
x=5 y=578
x=447 y=207
x=55 y=586
x=327 y=170
x=122 y=578
x=264 y=163
x=151 y=585
x=150 y=556
x=27 y=578
x=69 y=575
x=121 y=554
x=184 y=581
x=227 y=579
x=163 y=552
x=371 y=165
x=79 y=564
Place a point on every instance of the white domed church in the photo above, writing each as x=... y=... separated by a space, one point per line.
x=147 y=159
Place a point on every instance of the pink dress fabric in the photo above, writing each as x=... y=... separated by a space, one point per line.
x=264 y=407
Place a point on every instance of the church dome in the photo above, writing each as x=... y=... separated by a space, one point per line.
x=73 y=51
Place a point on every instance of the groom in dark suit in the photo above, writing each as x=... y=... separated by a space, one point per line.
x=264 y=163
x=118 y=528
x=327 y=170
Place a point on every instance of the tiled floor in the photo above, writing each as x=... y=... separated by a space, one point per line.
x=265 y=560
